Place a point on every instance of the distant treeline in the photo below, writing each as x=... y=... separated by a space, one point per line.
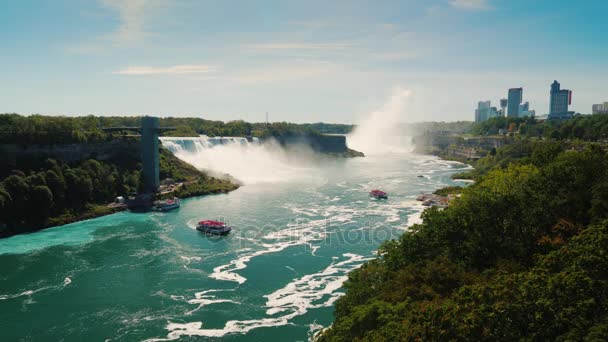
x=39 y=129
x=521 y=255
x=581 y=127
x=457 y=127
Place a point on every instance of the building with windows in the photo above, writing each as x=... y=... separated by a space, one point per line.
x=524 y=110
x=503 y=107
x=600 y=108
x=559 y=101
x=485 y=111
x=514 y=99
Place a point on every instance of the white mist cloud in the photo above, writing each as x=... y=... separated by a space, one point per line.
x=172 y=70
x=379 y=132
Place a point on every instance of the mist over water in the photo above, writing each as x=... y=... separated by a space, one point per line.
x=248 y=162
x=252 y=162
x=380 y=132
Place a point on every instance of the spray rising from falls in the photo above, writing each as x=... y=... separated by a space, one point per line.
x=380 y=132
x=249 y=161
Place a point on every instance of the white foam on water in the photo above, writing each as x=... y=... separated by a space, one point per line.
x=29 y=293
x=313 y=290
x=294 y=234
x=203 y=298
x=416 y=216
x=189 y=259
x=308 y=292
x=313 y=330
x=24 y=293
x=464 y=180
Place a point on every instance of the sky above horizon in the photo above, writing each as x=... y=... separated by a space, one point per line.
x=300 y=61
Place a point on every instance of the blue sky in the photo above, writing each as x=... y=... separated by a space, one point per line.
x=302 y=61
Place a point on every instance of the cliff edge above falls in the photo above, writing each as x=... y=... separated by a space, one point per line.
x=327 y=144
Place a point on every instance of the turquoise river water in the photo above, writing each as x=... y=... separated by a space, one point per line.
x=152 y=276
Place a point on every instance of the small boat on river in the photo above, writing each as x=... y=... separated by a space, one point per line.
x=168 y=204
x=213 y=227
x=378 y=194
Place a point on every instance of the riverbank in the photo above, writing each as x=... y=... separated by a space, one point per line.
x=192 y=189
x=57 y=189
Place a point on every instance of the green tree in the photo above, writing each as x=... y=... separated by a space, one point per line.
x=41 y=198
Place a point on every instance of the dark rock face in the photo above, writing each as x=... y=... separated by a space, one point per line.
x=25 y=157
x=326 y=144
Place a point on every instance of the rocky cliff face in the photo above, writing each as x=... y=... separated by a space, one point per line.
x=324 y=143
x=27 y=157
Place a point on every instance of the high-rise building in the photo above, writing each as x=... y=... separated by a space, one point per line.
x=513 y=101
x=600 y=108
x=524 y=107
x=597 y=108
x=524 y=110
x=559 y=101
x=503 y=107
x=485 y=111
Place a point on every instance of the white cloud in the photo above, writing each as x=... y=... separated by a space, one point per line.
x=172 y=70
x=298 y=46
x=470 y=4
x=132 y=15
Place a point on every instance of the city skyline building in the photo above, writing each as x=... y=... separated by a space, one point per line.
x=514 y=98
x=559 y=101
x=524 y=110
x=485 y=111
x=503 y=107
x=600 y=108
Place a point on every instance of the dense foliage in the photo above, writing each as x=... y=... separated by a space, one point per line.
x=38 y=129
x=57 y=193
x=580 y=127
x=521 y=255
x=60 y=192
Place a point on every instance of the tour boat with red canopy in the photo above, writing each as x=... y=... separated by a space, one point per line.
x=213 y=227
x=379 y=194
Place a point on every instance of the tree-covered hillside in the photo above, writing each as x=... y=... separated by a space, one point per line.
x=581 y=127
x=56 y=192
x=521 y=255
x=38 y=129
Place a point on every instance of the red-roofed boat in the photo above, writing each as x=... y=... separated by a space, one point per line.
x=379 y=194
x=213 y=227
